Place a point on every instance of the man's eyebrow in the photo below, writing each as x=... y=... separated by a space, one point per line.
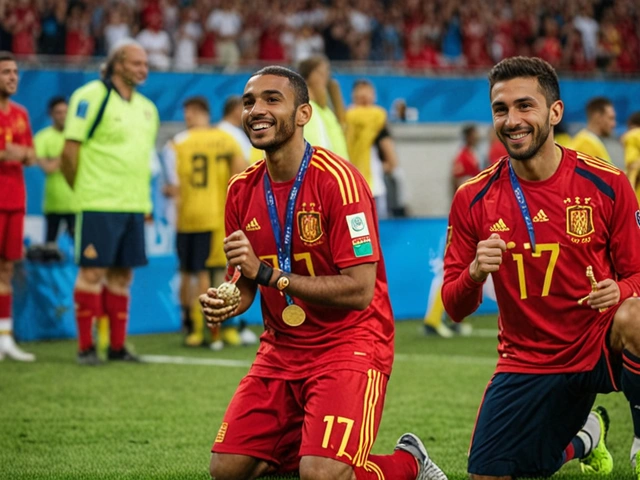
x=518 y=100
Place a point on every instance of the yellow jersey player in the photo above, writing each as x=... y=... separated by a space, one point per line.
x=631 y=144
x=601 y=120
x=199 y=162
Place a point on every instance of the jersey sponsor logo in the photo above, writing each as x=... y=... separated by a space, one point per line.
x=580 y=218
x=362 y=246
x=358 y=225
x=499 y=226
x=252 y=226
x=222 y=432
x=90 y=252
x=541 y=217
x=638 y=218
x=83 y=107
x=309 y=224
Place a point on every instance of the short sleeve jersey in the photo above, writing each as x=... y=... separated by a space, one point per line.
x=335 y=227
x=114 y=167
x=58 y=196
x=589 y=143
x=585 y=214
x=14 y=128
x=202 y=166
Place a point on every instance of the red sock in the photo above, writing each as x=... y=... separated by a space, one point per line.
x=88 y=306
x=117 y=307
x=5 y=305
x=400 y=465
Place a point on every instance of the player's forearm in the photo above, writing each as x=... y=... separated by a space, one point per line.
x=462 y=296
x=247 y=295
x=340 y=291
x=629 y=287
x=69 y=163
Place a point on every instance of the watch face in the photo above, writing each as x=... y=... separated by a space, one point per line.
x=282 y=283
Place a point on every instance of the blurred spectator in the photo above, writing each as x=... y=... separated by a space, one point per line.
x=466 y=164
x=631 y=144
x=52 y=37
x=117 y=28
x=271 y=47
x=549 y=47
x=24 y=25
x=156 y=42
x=226 y=23
x=497 y=150
x=588 y=28
x=306 y=43
x=187 y=36
x=79 y=42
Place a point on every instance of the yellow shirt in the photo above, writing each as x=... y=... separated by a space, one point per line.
x=589 y=143
x=364 y=124
x=631 y=143
x=324 y=130
x=202 y=157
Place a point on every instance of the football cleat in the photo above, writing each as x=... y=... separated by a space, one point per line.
x=9 y=348
x=122 y=355
x=599 y=461
x=194 y=340
x=427 y=469
x=88 y=357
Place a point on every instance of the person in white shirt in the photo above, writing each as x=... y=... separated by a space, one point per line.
x=156 y=43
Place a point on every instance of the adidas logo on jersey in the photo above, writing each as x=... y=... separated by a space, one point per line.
x=541 y=217
x=499 y=226
x=252 y=226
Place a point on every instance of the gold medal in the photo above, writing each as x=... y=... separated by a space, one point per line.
x=293 y=315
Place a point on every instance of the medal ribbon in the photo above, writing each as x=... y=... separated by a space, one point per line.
x=522 y=203
x=284 y=236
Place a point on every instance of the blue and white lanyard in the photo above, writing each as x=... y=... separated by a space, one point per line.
x=522 y=203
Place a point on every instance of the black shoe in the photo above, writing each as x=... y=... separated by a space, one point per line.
x=88 y=357
x=122 y=355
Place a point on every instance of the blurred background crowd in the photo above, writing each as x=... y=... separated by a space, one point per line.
x=580 y=36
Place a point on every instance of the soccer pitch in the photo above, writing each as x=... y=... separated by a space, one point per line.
x=158 y=420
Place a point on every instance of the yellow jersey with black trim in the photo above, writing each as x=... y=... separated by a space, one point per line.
x=589 y=143
x=202 y=157
x=364 y=124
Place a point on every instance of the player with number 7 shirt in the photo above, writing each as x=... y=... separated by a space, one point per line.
x=545 y=222
x=301 y=226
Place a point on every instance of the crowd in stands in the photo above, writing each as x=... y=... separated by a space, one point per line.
x=581 y=36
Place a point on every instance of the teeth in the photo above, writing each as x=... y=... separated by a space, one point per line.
x=519 y=135
x=260 y=126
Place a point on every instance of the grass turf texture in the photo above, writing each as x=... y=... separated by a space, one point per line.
x=122 y=421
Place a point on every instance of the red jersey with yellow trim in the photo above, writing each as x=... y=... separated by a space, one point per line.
x=335 y=227
x=584 y=215
x=14 y=128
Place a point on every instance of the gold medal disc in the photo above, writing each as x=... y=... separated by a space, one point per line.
x=293 y=315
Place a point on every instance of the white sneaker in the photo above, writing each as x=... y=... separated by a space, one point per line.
x=9 y=348
x=217 y=345
x=248 y=337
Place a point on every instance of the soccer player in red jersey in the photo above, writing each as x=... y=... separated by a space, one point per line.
x=302 y=227
x=547 y=223
x=466 y=164
x=16 y=150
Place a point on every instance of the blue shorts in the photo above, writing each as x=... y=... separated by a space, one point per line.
x=110 y=239
x=193 y=251
x=526 y=421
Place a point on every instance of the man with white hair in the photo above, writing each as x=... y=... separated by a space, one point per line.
x=110 y=134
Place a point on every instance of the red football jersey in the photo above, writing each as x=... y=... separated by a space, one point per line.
x=466 y=164
x=335 y=227
x=14 y=128
x=585 y=214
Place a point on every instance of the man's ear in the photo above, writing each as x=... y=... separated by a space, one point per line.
x=556 y=111
x=303 y=114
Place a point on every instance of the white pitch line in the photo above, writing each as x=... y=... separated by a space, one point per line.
x=175 y=360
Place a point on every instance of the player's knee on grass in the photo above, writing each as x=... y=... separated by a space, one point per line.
x=320 y=468
x=625 y=332
x=236 y=467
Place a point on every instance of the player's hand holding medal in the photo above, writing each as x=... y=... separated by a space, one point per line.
x=220 y=303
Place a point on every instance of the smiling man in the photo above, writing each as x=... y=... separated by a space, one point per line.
x=301 y=225
x=545 y=222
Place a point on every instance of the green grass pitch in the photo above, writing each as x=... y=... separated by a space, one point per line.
x=157 y=421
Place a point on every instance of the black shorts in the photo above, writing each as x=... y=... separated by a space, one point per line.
x=110 y=239
x=54 y=220
x=526 y=421
x=193 y=251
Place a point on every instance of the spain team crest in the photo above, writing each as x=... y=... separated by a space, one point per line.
x=580 y=220
x=309 y=225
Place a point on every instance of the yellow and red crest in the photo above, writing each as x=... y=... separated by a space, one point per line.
x=309 y=225
x=580 y=221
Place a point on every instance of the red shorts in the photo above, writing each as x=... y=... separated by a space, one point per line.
x=334 y=415
x=11 y=235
